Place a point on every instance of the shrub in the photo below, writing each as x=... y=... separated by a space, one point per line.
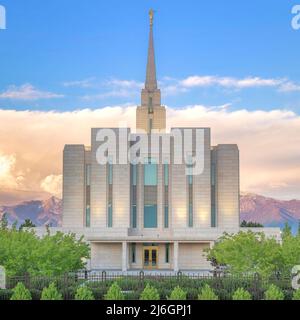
x=274 y=293
x=5 y=294
x=177 y=294
x=20 y=292
x=207 y=294
x=99 y=293
x=84 y=293
x=296 y=295
x=241 y=294
x=51 y=293
x=150 y=293
x=114 y=293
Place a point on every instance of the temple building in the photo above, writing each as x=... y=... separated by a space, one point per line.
x=153 y=214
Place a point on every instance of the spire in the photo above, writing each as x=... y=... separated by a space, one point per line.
x=151 y=82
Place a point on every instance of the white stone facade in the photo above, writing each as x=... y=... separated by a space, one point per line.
x=108 y=204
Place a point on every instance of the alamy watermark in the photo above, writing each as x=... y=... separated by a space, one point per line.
x=2 y=17
x=180 y=146
x=296 y=277
x=296 y=18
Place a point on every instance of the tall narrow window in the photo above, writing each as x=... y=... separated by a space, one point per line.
x=150 y=194
x=167 y=253
x=166 y=195
x=110 y=195
x=150 y=125
x=133 y=253
x=213 y=190
x=133 y=195
x=88 y=195
x=190 y=181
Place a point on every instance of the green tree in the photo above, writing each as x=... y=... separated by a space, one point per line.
x=247 y=252
x=4 y=222
x=84 y=293
x=27 y=224
x=241 y=294
x=21 y=252
x=296 y=295
x=51 y=293
x=274 y=293
x=150 y=293
x=251 y=224
x=287 y=231
x=177 y=294
x=114 y=293
x=20 y=293
x=207 y=293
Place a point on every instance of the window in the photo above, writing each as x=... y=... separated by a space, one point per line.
x=150 y=216
x=190 y=181
x=213 y=190
x=110 y=195
x=133 y=195
x=88 y=195
x=167 y=253
x=150 y=173
x=166 y=217
x=133 y=253
x=150 y=194
x=88 y=217
x=166 y=195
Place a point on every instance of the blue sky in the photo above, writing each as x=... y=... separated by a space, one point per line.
x=67 y=54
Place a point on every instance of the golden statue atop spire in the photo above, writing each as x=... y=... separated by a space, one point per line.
x=151 y=15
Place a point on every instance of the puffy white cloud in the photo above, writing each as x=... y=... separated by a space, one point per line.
x=268 y=141
x=53 y=185
x=27 y=92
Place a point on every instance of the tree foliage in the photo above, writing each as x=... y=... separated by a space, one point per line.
x=23 y=252
x=249 y=252
x=296 y=295
x=177 y=294
x=51 y=293
x=150 y=293
x=84 y=293
x=251 y=224
x=21 y=293
x=114 y=293
x=241 y=294
x=274 y=293
x=207 y=293
x=27 y=224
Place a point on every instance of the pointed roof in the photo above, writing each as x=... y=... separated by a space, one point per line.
x=151 y=82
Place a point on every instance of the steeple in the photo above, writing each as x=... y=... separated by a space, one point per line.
x=151 y=82
x=151 y=115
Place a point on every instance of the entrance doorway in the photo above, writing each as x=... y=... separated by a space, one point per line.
x=150 y=257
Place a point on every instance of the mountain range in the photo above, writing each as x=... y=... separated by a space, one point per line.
x=255 y=208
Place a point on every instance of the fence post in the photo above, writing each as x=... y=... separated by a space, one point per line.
x=27 y=280
x=103 y=276
x=256 y=286
x=179 y=275
x=85 y=274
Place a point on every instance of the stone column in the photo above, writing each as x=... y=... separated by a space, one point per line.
x=124 y=256
x=175 y=258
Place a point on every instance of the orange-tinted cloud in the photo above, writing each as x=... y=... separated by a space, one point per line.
x=31 y=144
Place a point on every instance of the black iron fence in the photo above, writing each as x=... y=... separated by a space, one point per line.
x=132 y=284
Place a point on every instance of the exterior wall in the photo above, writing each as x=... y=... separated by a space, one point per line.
x=191 y=256
x=99 y=190
x=201 y=190
x=106 y=256
x=158 y=117
x=73 y=185
x=228 y=186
